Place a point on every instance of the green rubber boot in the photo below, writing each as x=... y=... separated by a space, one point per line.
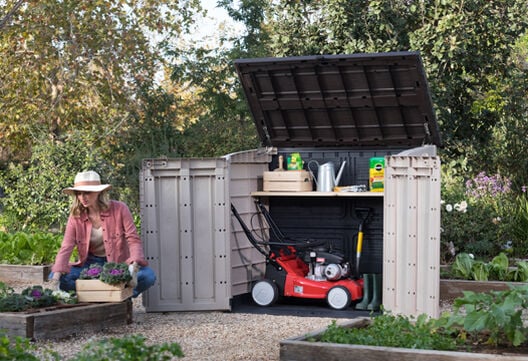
x=367 y=292
x=375 y=302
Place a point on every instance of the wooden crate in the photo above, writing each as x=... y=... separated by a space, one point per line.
x=287 y=181
x=97 y=291
x=63 y=321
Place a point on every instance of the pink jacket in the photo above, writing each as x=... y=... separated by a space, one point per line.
x=120 y=237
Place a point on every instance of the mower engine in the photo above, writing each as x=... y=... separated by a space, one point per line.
x=324 y=266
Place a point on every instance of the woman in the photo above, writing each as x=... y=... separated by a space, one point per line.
x=103 y=230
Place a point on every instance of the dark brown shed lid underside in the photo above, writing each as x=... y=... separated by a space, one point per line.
x=379 y=99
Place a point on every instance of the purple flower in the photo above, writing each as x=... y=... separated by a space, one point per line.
x=93 y=272
x=116 y=272
x=488 y=186
x=36 y=293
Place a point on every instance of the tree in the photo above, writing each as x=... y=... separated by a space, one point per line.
x=467 y=48
x=78 y=65
x=219 y=121
x=76 y=80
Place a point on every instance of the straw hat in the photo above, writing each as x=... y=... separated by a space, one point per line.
x=87 y=182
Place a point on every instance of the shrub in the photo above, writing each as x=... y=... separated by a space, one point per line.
x=477 y=215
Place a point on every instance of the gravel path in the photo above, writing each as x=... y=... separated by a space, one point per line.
x=203 y=335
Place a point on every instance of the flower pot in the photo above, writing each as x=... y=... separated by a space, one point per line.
x=97 y=291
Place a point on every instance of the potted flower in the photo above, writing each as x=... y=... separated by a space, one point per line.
x=107 y=283
x=115 y=273
x=91 y=273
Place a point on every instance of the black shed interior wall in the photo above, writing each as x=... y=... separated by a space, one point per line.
x=334 y=219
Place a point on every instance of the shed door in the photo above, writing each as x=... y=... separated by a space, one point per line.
x=184 y=215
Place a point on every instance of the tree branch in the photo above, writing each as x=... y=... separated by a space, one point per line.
x=9 y=15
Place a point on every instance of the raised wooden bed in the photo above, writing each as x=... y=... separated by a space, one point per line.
x=451 y=289
x=298 y=349
x=23 y=273
x=66 y=320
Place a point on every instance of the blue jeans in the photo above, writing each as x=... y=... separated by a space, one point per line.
x=146 y=276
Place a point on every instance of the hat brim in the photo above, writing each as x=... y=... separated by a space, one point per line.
x=92 y=188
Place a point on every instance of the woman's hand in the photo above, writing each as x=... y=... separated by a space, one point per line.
x=133 y=268
x=55 y=281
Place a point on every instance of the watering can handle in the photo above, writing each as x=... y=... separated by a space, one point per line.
x=310 y=170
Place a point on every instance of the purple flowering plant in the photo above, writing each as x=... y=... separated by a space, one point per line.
x=115 y=273
x=91 y=273
x=37 y=296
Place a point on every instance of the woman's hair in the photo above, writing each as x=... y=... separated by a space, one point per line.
x=103 y=200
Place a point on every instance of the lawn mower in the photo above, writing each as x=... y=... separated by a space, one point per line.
x=306 y=269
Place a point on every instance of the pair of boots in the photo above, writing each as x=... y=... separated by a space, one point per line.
x=371 y=292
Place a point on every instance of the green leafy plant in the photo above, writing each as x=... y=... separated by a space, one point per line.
x=29 y=248
x=19 y=348
x=393 y=331
x=91 y=273
x=14 y=302
x=5 y=289
x=498 y=269
x=463 y=266
x=478 y=319
x=38 y=296
x=32 y=297
x=115 y=273
x=479 y=215
x=492 y=318
x=129 y=348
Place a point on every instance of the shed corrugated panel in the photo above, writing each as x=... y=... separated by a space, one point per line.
x=245 y=172
x=184 y=226
x=411 y=269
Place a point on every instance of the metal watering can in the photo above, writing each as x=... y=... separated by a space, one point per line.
x=326 y=178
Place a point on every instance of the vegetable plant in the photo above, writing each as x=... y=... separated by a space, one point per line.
x=115 y=273
x=393 y=331
x=478 y=319
x=112 y=273
x=32 y=297
x=498 y=269
x=29 y=249
x=91 y=273
x=492 y=318
x=129 y=348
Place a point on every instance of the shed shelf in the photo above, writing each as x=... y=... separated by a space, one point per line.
x=316 y=194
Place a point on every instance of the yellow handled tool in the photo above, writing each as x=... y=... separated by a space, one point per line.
x=363 y=214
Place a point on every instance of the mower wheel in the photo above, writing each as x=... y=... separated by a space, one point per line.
x=338 y=298
x=265 y=293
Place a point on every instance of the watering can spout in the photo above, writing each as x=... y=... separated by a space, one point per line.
x=339 y=174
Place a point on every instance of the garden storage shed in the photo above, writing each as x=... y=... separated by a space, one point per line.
x=344 y=109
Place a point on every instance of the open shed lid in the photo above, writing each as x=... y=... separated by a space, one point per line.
x=379 y=99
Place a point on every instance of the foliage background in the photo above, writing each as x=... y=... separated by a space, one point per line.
x=103 y=84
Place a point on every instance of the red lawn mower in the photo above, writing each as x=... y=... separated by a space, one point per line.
x=303 y=269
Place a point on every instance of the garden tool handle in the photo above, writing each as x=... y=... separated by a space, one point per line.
x=359 y=244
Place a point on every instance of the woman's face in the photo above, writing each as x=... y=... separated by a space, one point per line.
x=87 y=199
